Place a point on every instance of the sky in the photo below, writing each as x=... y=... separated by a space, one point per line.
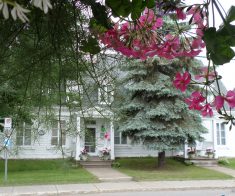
x=227 y=71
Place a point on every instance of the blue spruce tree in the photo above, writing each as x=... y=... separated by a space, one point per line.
x=153 y=112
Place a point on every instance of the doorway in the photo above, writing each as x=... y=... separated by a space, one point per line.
x=90 y=140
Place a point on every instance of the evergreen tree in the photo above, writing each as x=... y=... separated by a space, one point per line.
x=153 y=111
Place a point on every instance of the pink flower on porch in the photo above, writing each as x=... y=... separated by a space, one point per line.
x=229 y=98
x=195 y=101
x=181 y=81
x=107 y=135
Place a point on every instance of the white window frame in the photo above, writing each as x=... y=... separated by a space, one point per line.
x=221 y=133
x=56 y=133
x=24 y=138
x=74 y=87
x=103 y=90
x=120 y=136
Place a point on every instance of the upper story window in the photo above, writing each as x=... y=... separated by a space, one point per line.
x=120 y=138
x=105 y=94
x=220 y=132
x=58 y=136
x=74 y=91
x=73 y=86
x=24 y=135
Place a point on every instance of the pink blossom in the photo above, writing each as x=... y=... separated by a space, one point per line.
x=229 y=98
x=180 y=14
x=195 y=101
x=181 y=81
x=207 y=110
x=219 y=102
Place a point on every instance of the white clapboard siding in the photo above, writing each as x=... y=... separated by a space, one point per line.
x=136 y=151
x=41 y=148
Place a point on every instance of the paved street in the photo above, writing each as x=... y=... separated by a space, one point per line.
x=108 y=187
x=217 y=192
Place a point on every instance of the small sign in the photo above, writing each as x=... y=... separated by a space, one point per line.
x=8 y=123
x=7 y=142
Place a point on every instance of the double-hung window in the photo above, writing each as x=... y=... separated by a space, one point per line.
x=220 y=133
x=120 y=138
x=24 y=135
x=58 y=136
x=105 y=94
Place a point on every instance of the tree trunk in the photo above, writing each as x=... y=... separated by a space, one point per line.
x=161 y=159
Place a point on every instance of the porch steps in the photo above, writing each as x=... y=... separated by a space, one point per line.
x=204 y=162
x=96 y=162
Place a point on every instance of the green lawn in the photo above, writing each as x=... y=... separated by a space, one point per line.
x=145 y=169
x=230 y=163
x=27 y=172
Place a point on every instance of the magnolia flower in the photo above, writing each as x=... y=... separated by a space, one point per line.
x=4 y=8
x=43 y=5
x=19 y=12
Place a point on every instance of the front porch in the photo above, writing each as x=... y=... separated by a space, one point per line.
x=95 y=134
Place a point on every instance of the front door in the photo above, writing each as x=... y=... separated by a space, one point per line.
x=90 y=137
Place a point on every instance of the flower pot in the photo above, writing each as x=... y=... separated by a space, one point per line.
x=191 y=156
x=84 y=157
x=210 y=156
x=106 y=157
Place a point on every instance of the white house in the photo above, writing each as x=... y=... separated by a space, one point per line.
x=91 y=126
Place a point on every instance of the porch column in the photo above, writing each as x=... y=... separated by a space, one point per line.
x=185 y=149
x=112 y=140
x=78 y=140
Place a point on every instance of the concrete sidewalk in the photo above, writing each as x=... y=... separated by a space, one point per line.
x=75 y=189
x=109 y=175
x=224 y=170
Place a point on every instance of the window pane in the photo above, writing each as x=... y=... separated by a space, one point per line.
x=223 y=142
x=116 y=134
x=54 y=132
x=19 y=141
x=54 y=141
x=218 y=133
x=117 y=140
x=124 y=139
x=27 y=141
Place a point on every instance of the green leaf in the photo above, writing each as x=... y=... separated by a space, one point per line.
x=222 y=54
x=218 y=45
x=120 y=7
x=209 y=38
x=136 y=10
x=231 y=14
x=150 y=3
x=91 y=45
x=228 y=33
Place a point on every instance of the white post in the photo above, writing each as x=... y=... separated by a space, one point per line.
x=185 y=149
x=78 y=139
x=112 y=140
x=5 y=178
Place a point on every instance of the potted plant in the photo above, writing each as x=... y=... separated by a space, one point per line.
x=105 y=153
x=191 y=154
x=210 y=153
x=84 y=154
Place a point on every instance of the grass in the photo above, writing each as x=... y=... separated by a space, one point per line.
x=143 y=169
x=227 y=162
x=28 y=172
